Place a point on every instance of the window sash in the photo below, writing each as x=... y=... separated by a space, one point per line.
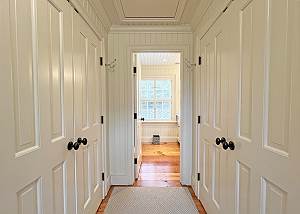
x=161 y=107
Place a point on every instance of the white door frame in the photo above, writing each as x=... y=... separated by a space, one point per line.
x=185 y=108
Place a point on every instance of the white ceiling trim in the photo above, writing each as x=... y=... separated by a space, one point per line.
x=159 y=58
x=151 y=28
x=176 y=18
x=101 y=13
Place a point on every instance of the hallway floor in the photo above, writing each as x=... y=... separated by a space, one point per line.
x=160 y=165
x=160 y=168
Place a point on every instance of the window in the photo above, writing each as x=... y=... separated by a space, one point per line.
x=156 y=99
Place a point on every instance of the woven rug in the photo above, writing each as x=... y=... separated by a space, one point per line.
x=150 y=200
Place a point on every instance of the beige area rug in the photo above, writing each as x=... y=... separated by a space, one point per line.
x=150 y=200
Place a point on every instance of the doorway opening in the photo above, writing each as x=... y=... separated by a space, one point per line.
x=157 y=123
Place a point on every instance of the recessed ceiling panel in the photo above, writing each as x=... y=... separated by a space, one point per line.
x=157 y=58
x=150 y=8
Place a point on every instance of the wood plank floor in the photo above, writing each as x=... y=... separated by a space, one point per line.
x=160 y=168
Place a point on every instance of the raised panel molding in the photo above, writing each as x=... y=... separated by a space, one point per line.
x=278 y=79
x=24 y=51
x=29 y=198
x=59 y=188
x=243 y=174
x=88 y=11
x=216 y=176
x=274 y=199
x=56 y=72
x=246 y=73
x=206 y=166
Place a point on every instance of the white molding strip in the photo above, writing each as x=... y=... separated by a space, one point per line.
x=176 y=18
x=150 y=28
x=88 y=11
x=163 y=139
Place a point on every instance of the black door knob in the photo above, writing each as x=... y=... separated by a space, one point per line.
x=220 y=140
x=79 y=140
x=142 y=119
x=225 y=145
x=84 y=141
x=76 y=145
x=72 y=145
x=231 y=145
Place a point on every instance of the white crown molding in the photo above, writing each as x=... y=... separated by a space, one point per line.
x=101 y=13
x=124 y=19
x=150 y=28
x=199 y=13
x=92 y=16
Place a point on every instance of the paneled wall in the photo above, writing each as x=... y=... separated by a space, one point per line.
x=168 y=131
x=120 y=94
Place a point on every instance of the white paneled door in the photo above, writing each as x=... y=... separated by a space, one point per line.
x=50 y=97
x=138 y=121
x=250 y=96
x=214 y=124
x=37 y=170
x=266 y=106
x=87 y=116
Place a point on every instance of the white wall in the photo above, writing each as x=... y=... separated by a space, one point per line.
x=120 y=89
x=167 y=130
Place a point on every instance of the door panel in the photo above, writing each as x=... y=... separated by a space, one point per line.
x=37 y=108
x=87 y=109
x=264 y=99
x=138 y=122
x=214 y=79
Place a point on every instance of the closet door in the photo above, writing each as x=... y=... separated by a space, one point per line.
x=266 y=107
x=197 y=121
x=37 y=170
x=215 y=47
x=87 y=116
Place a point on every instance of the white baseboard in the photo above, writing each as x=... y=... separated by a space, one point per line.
x=107 y=184
x=172 y=139
x=121 y=180
x=137 y=167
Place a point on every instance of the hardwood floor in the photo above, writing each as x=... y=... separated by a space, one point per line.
x=160 y=168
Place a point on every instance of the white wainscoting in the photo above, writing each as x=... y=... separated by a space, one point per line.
x=168 y=131
x=120 y=97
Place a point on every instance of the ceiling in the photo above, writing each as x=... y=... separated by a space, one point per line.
x=161 y=58
x=126 y=12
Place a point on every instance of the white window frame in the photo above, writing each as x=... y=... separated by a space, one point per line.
x=173 y=95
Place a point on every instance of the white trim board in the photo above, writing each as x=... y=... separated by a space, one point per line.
x=148 y=139
x=184 y=28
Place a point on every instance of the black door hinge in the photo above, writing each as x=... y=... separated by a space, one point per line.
x=199 y=119
x=101 y=61
x=135 y=160
x=102 y=176
x=102 y=119
x=134 y=69
x=135 y=116
x=198 y=176
x=200 y=60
